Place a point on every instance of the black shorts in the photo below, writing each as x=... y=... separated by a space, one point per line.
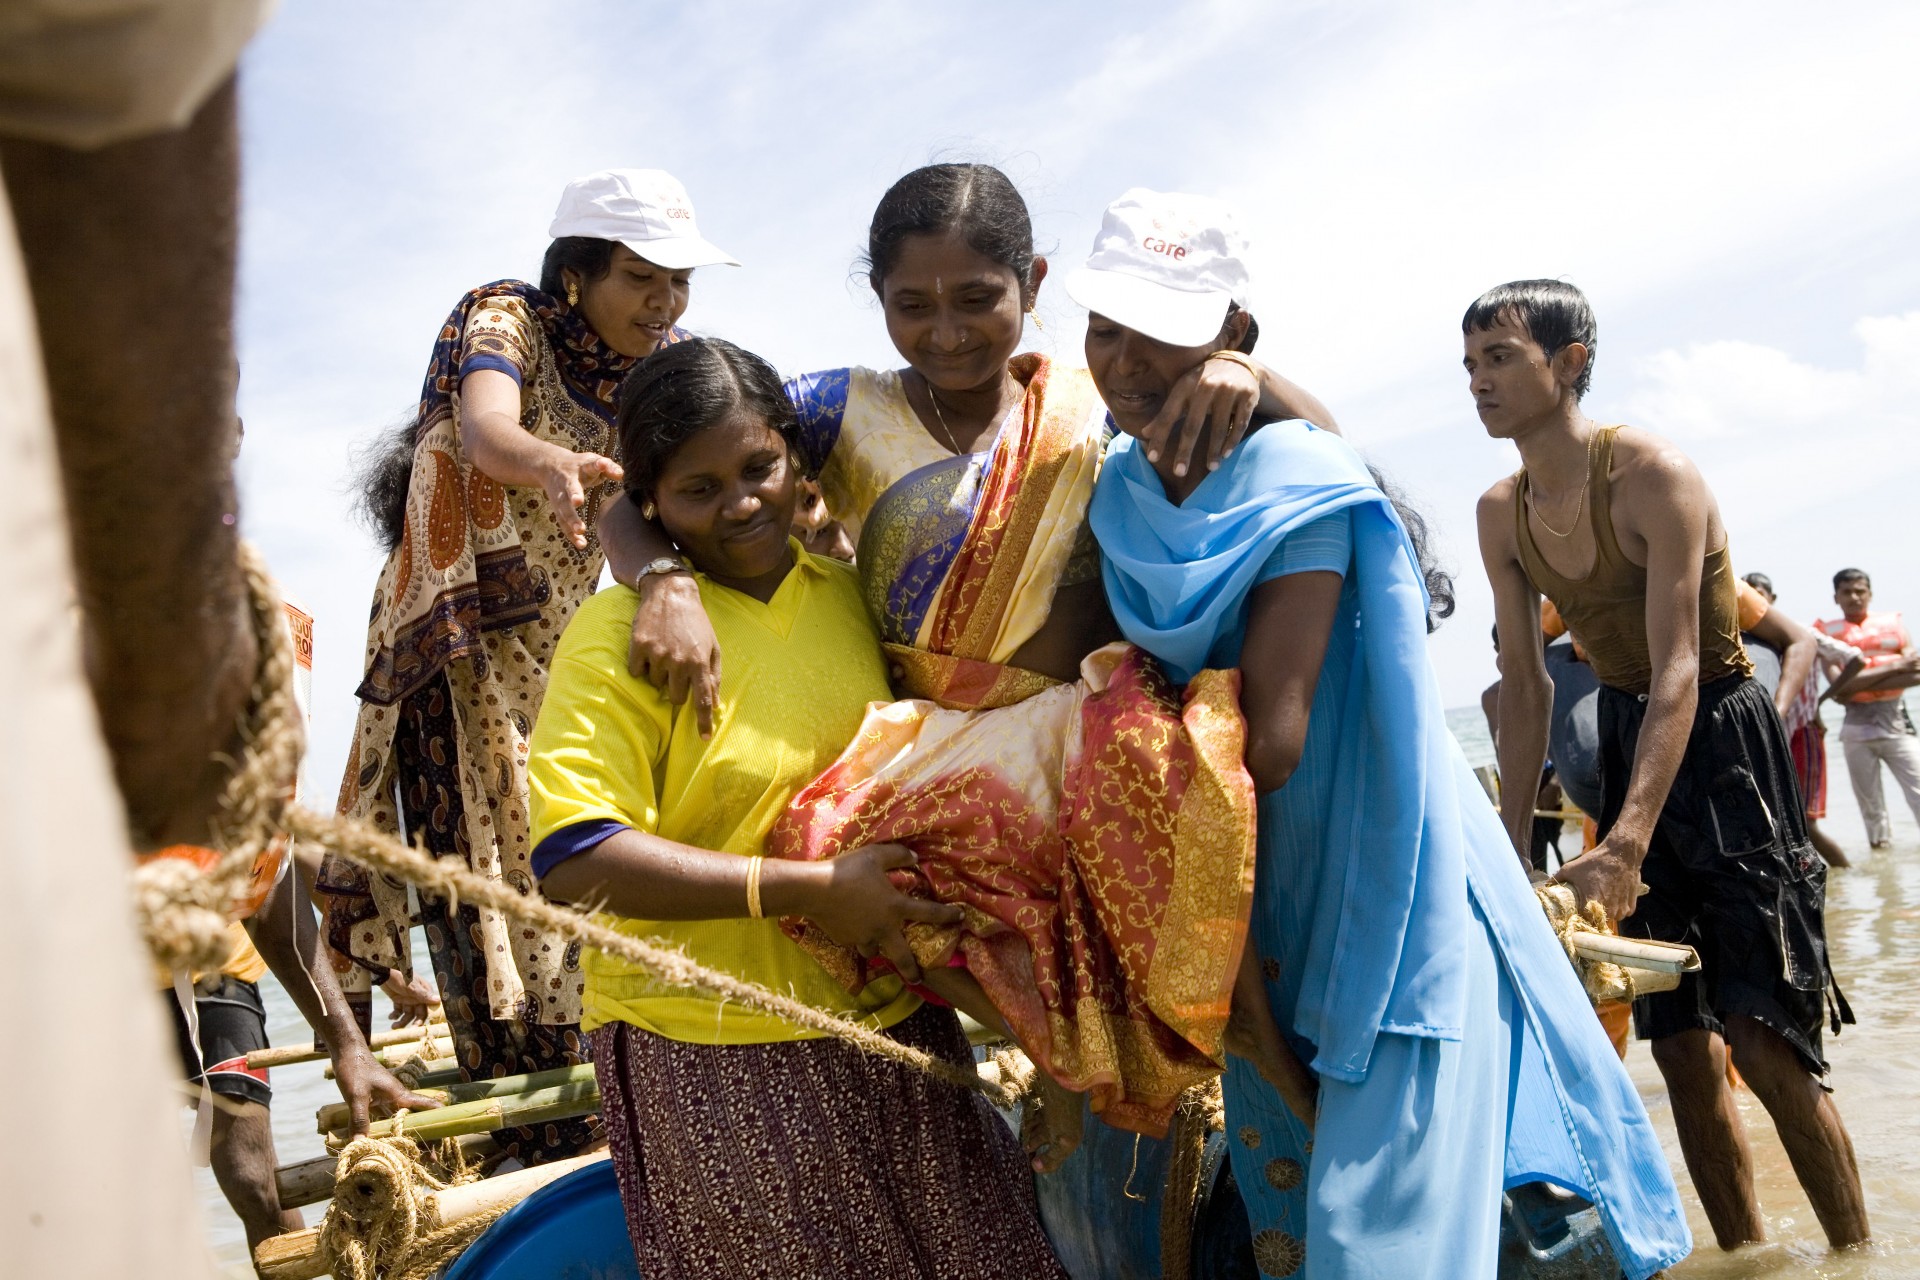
x=1729 y=871
x=233 y=1023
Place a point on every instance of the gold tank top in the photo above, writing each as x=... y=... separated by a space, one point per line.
x=1607 y=609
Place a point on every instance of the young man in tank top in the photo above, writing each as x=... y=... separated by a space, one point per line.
x=1700 y=813
x=1877 y=729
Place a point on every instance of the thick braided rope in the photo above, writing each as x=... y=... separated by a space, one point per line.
x=376 y=1227
x=183 y=911
x=1603 y=980
x=450 y=879
x=1201 y=1112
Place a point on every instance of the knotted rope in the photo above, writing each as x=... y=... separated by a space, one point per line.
x=379 y=1227
x=184 y=911
x=1201 y=1111
x=1602 y=979
x=450 y=879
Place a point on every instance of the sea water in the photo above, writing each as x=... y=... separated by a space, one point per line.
x=1873 y=927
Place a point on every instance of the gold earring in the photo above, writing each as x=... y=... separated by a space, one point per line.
x=1037 y=322
x=646 y=510
x=573 y=295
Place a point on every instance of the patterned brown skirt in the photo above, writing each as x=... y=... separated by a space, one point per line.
x=811 y=1159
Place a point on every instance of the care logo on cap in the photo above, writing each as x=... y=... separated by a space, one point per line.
x=1165 y=264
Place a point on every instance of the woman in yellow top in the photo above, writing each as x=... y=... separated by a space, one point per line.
x=745 y=1146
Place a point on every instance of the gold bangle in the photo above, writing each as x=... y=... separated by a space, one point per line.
x=1240 y=358
x=753 y=886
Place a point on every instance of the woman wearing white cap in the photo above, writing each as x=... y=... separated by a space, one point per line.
x=485 y=500
x=1401 y=946
x=966 y=477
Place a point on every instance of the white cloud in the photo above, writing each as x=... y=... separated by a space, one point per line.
x=1394 y=157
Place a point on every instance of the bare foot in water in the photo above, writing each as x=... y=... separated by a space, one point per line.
x=1052 y=1123
x=1253 y=1034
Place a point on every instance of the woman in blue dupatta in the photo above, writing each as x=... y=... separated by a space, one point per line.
x=1404 y=953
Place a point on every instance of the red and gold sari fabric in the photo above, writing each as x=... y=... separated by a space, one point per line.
x=1099 y=835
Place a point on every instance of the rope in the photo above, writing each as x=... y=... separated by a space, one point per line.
x=1201 y=1111
x=183 y=912
x=1602 y=979
x=377 y=1227
x=450 y=879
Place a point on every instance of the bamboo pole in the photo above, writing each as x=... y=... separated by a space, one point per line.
x=287 y=1055
x=294 y=1256
x=455 y=1204
x=561 y=1102
x=308 y=1182
x=1637 y=953
x=334 y=1115
x=443 y=1066
x=435 y=1053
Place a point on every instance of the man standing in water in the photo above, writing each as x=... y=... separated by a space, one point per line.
x=1699 y=812
x=1877 y=729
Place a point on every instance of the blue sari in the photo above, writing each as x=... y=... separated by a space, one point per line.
x=1404 y=952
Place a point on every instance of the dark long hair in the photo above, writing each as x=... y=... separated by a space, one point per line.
x=976 y=200
x=683 y=390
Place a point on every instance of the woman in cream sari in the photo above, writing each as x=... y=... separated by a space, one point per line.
x=1096 y=826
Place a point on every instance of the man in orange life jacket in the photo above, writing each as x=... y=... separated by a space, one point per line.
x=1877 y=729
x=1699 y=810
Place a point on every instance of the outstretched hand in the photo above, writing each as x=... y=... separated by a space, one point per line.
x=861 y=907
x=1213 y=400
x=568 y=477
x=368 y=1087
x=414 y=999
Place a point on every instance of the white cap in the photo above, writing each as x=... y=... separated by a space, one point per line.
x=646 y=210
x=1165 y=265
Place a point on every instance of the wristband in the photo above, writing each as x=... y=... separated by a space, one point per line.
x=1240 y=358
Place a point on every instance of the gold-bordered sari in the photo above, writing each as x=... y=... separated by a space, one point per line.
x=1098 y=835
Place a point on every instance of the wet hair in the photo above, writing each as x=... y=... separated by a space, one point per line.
x=683 y=389
x=1760 y=582
x=1845 y=576
x=1553 y=313
x=976 y=200
x=590 y=256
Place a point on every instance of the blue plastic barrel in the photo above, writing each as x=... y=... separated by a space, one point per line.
x=570 y=1229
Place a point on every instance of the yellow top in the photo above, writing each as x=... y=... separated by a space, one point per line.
x=243 y=962
x=796 y=676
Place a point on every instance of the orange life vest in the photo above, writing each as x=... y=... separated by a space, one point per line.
x=1881 y=637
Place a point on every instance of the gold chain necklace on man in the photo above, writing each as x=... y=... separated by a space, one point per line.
x=1580 y=505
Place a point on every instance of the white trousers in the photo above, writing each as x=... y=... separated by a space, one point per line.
x=1901 y=756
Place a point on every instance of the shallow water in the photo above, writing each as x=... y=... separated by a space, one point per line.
x=1873 y=929
x=1873 y=922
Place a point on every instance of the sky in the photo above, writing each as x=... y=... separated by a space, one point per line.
x=1731 y=184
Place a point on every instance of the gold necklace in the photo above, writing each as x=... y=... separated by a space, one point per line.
x=1580 y=505
x=941 y=418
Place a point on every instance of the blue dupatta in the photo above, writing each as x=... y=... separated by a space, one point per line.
x=1385 y=953
x=1413 y=841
